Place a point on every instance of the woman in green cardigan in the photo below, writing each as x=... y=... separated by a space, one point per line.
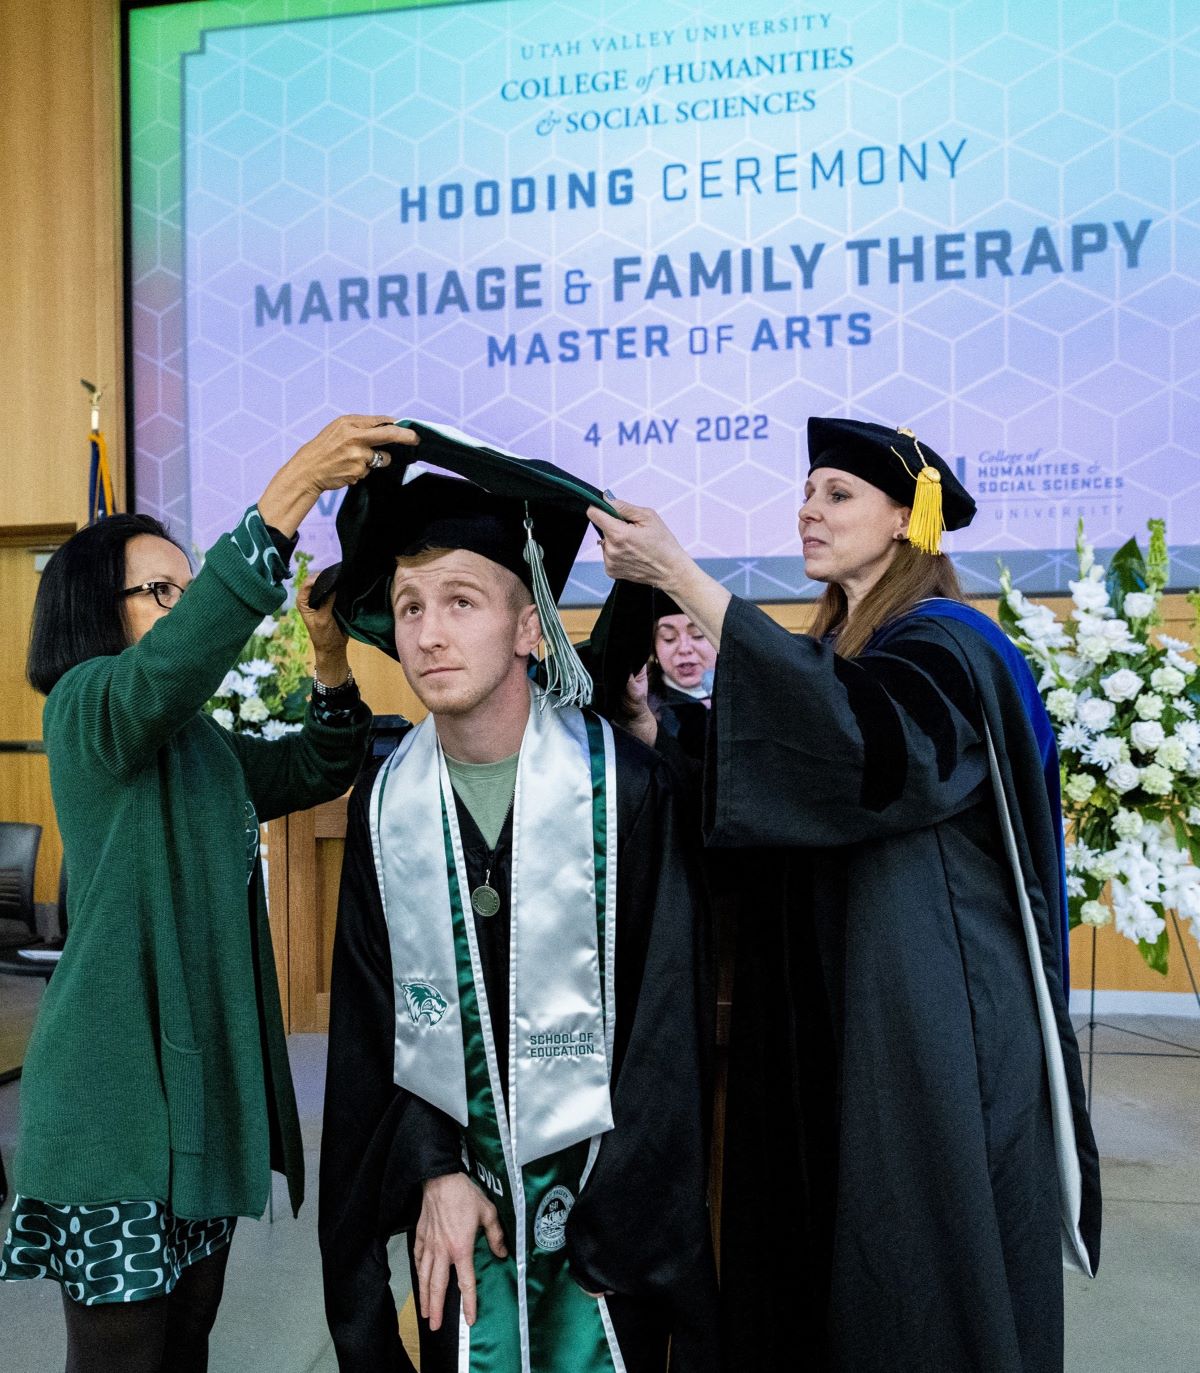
x=156 y=1096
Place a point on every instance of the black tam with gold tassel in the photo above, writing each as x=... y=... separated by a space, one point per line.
x=902 y=467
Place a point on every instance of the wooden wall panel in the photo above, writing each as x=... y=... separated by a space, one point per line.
x=60 y=251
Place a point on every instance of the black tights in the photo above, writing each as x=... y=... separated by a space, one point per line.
x=158 y=1335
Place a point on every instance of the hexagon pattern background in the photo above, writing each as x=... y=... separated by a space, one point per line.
x=298 y=137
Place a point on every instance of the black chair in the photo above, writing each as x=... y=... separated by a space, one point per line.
x=13 y=965
x=18 y=860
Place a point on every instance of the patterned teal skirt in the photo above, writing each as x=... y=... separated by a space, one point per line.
x=119 y=1251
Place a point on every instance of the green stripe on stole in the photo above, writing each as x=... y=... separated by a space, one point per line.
x=566 y=1327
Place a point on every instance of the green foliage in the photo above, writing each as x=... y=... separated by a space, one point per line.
x=267 y=693
x=1126 y=573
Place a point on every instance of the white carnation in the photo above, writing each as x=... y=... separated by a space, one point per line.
x=1128 y=824
x=1172 y=753
x=1095 y=714
x=1104 y=866
x=1148 y=706
x=1122 y=685
x=1080 y=787
x=223 y=717
x=1157 y=780
x=1147 y=735
x=1095 y=648
x=253 y=710
x=1094 y=913
x=1124 y=777
x=1169 y=680
x=1139 y=605
x=1061 y=704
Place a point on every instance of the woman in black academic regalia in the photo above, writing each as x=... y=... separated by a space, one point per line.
x=909 y=1161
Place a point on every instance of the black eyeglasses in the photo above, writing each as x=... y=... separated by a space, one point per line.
x=167 y=594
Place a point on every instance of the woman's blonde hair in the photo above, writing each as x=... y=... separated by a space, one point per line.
x=910 y=577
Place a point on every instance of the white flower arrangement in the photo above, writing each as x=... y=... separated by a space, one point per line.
x=265 y=695
x=1123 y=701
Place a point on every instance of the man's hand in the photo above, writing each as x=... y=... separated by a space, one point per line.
x=453 y=1212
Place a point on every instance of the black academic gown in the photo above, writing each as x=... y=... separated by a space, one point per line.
x=640 y=1226
x=891 y=1197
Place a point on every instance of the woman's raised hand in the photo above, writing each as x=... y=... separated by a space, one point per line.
x=344 y=452
x=638 y=547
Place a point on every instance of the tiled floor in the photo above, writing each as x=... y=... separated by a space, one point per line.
x=1138 y=1316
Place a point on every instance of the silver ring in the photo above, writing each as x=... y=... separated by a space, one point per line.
x=377 y=459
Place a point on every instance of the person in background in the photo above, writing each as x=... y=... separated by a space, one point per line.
x=156 y=1097
x=679 y=678
x=909 y=1160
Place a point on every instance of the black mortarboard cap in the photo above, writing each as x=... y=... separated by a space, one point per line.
x=901 y=466
x=385 y=516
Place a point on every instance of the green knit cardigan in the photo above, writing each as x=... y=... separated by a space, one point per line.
x=157 y=1068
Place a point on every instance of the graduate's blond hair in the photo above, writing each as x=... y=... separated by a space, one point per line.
x=910 y=577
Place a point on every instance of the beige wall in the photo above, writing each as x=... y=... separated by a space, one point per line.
x=60 y=284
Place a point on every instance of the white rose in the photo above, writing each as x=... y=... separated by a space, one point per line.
x=253 y=710
x=223 y=717
x=1061 y=704
x=1172 y=754
x=1157 y=780
x=1124 y=777
x=1139 y=605
x=1169 y=680
x=1148 y=706
x=1095 y=714
x=1128 y=824
x=1080 y=787
x=1147 y=735
x=1094 y=913
x=1122 y=685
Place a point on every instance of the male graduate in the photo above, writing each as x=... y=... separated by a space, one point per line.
x=515 y=1066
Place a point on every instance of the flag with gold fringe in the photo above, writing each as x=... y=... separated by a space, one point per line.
x=100 y=486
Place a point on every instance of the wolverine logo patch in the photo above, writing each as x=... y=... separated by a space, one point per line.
x=425 y=1003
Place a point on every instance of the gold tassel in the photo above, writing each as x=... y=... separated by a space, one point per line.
x=926 y=522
